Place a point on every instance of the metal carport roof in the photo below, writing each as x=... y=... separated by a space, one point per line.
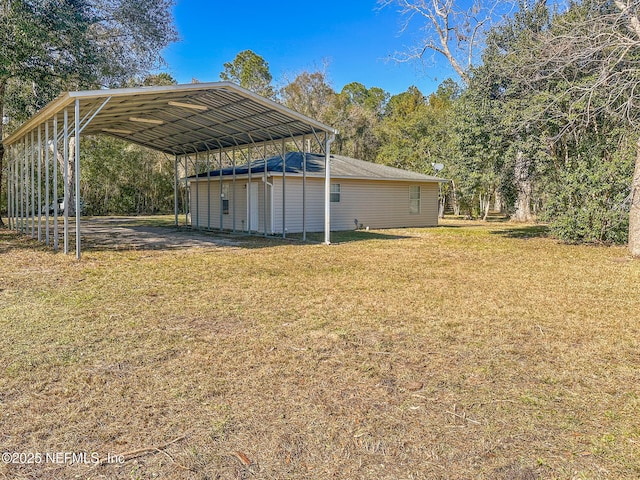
x=180 y=119
x=177 y=120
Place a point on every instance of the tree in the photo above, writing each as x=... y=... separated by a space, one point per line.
x=591 y=56
x=47 y=47
x=250 y=71
x=310 y=94
x=402 y=130
x=160 y=79
x=134 y=180
x=479 y=167
x=457 y=30
x=355 y=112
x=507 y=43
x=587 y=190
x=452 y=28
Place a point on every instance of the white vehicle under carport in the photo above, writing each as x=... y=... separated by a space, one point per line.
x=59 y=204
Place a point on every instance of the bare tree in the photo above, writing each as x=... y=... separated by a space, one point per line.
x=454 y=29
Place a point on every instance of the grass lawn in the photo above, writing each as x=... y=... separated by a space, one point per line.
x=459 y=352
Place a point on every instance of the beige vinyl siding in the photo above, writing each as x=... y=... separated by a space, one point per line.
x=294 y=212
x=237 y=204
x=383 y=204
x=375 y=204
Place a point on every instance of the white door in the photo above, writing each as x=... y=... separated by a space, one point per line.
x=252 y=206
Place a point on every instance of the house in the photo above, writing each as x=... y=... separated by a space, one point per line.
x=362 y=194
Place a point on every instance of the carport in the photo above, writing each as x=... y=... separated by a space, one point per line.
x=200 y=125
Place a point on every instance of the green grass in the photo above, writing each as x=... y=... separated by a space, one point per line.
x=465 y=351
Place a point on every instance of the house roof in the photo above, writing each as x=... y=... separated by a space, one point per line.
x=341 y=167
x=177 y=119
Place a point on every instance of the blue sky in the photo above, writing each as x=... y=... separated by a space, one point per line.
x=353 y=36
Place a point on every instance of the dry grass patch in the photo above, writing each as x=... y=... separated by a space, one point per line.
x=464 y=351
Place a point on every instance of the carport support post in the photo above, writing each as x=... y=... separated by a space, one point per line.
x=40 y=183
x=220 y=198
x=77 y=177
x=197 y=195
x=9 y=173
x=233 y=190
x=208 y=189
x=284 y=185
x=46 y=181
x=18 y=188
x=14 y=187
x=304 y=189
x=186 y=190
x=25 y=189
x=32 y=174
x=56 y=234
x=327 y=188
x=65 y=154
x=264 y=193
x=175 y=188
x=249 y=190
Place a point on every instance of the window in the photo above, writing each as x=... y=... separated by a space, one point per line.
x=414 y=199
x=335 y=192
x=224 y=196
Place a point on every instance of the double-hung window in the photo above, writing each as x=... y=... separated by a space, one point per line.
x=414 y=199
x=224 y=197
x=335 y=192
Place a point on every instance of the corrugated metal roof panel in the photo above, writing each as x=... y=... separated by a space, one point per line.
x=341 y=167
x=233 y=116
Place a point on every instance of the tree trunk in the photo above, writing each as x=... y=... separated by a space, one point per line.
x=71 y=183
x=454 y=198
x=497 y=205
x=487 y=207
x=634 y=210
x=524 y=186
x=441 y=201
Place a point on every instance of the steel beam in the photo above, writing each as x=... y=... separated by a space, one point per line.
x=39 y=183
x=208 y=190
x=77 y=175
x=47 y=192
x=32 y=157
x=25 y=188
x=327 y=190
x=197 y=196
x=304 y=189
x=264 y=192
x=284 y=185
x=9 y=186
x=65 y=168
x=233 y=190
x=220 y=196
x=186 y=191
x=175 y=188
x=56 y=230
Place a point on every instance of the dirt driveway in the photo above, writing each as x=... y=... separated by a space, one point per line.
x=131 y=233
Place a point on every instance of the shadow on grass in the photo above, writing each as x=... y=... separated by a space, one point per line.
x=347 y=236
x=10 y=241
x=160 y=233
x=523 y=233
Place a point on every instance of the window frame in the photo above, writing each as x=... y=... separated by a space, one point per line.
x=224 y=198
x=336 y=193
x=415 y=202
